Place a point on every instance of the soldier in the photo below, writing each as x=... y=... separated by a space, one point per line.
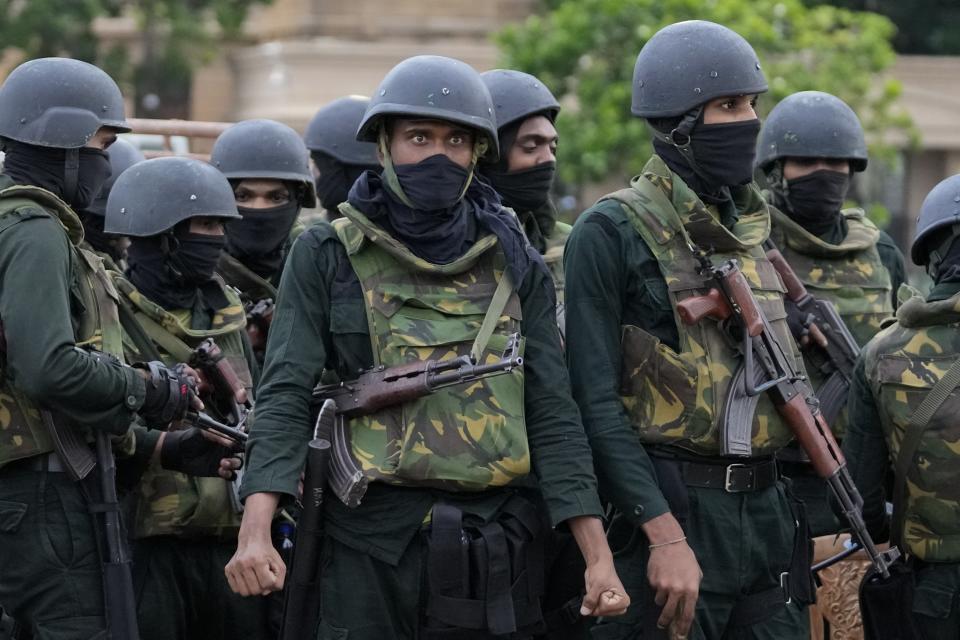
x=338 y=157
x=184 y=528
x=57 y=117
x=523 y=175
x=421 y=252
x=808 y=148
x=636 y=369
x=903 y=410
x=113 y=249
x=268 y=168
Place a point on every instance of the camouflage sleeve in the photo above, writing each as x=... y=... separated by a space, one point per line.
x=296 y=352
x=559 y=449
x=596 y=279
x=892 y=259
x=865 y=449
x=42 y=358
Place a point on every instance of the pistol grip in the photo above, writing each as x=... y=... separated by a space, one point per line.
x=713 y=305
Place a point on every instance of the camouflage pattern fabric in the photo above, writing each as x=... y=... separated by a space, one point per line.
x=22 y=433
x=678 y=397
x=168 y=502
x=466 y=437
x=554 y=261
x=850 y=275
x=902 y=363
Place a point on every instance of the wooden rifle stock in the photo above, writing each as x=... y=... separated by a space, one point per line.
x=795 y=289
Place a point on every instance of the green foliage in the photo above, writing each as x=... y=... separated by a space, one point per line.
x=176 y=37
x=929 y=27
x=585 y=51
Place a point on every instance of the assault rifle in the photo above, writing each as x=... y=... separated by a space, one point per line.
x=829 y=345
x=768 y=369
x=383 y=387
x=301 y=603
x=202 y=421
x=259 y=317
x=221 y=384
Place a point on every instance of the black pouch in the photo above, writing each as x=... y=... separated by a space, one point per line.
x=886 y=605
x=801 y=585
x=484 y=578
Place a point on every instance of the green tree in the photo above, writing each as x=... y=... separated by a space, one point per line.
x=585 y=51
x=177 y=36
x=923 y=26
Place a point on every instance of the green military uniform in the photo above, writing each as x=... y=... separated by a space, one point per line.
x=322 y=322
x=48 y=548
x=637 y=370
x=859 y=269
x=896 y=371
x=184 y=527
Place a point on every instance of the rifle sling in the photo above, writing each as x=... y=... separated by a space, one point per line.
x=497 y=304
x=911 y=440
x=170 y=343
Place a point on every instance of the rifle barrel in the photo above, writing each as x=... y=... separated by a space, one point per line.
x=205 y=422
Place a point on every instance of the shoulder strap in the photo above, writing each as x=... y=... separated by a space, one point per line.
x=911 y=440
x=167 y=341
x=497 y=304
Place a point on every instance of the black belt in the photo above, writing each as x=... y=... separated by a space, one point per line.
x=735 y=477
x=44 y=462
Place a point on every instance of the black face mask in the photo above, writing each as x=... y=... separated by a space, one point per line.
x=45 y=167
x=814 y=200
x=257 y=240
x=526 y=189
x=433 y=184
x=195 y=256
x=102 y=242
x=725 y=152
x=335 y=179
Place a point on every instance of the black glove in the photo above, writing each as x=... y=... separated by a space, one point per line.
x=168 y=394
x=190 y=452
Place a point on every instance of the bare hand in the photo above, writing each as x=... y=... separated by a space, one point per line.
x=605 y=593
x=256 y=568
x=230 y=466
x=675 y=575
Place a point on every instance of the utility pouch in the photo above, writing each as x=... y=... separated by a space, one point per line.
x=484 y=578
x=801 y=586
x=886 y=605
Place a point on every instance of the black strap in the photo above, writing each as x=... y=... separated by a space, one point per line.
x=501 y=618
x=447 y=561
x=731 y=477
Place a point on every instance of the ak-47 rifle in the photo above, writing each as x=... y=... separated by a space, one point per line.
x=768 y=369
x=301 y=603
x=383 y=387
x=259 y=317
x=220 y=383
x=823 y=336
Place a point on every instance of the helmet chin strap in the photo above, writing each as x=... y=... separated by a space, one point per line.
x=71 y=174
x=681 y=139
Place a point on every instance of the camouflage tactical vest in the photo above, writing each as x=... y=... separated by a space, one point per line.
x=677 y=397
x=849 y=274
x=169 y=502
x=94 y=317
x=902 y=364
x=462 y=438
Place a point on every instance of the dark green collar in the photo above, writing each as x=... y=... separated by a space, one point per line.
x=943 y=291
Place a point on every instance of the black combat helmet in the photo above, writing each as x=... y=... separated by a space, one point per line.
x=59 y=102
x=517 y=95
x=154 y=195
x=812 y=124
x=940 y=210
x=433 y=87
x=687 y=64
x=333 y=131
x=265 y=149
x=123 y=155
